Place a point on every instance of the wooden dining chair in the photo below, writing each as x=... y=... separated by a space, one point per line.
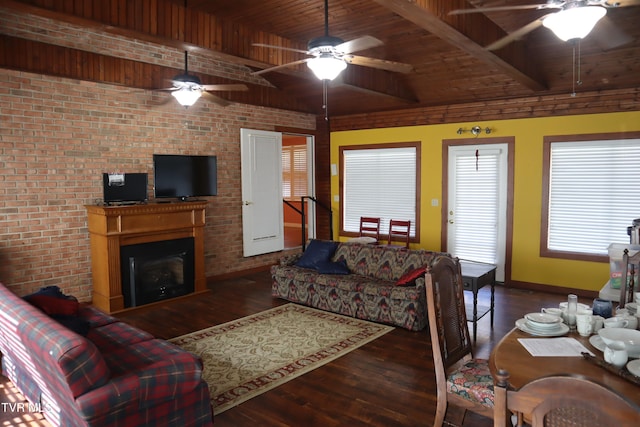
x=399 y=231
x=562 y=400
x=370 y=227
x=461 y=380
x=628 y=277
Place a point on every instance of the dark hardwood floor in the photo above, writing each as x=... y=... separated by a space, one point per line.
x=388 y=382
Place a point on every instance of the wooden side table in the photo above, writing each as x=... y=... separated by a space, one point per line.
x=475 y=276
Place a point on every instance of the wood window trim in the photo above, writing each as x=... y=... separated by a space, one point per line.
x=546 y=168
x=415 y=144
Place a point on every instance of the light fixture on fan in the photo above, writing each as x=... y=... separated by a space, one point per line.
x=187 y=96
x=574 y=22
x=326 y=66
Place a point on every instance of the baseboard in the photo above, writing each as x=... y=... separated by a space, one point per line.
x=550 y=289
x=239 y=273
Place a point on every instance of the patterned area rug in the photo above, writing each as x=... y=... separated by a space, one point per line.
x=249 y=356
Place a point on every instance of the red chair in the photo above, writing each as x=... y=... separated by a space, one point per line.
x=370 y=227
x=399 y=231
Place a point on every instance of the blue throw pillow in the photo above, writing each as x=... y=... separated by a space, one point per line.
x=318 y=251
x=338 y=267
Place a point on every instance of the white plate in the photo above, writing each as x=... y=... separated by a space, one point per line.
x=634 y=367
x=542 y=320
x=542 y=327
x=561 y=329
x=597 y=342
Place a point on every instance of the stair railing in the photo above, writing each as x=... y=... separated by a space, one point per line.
x=303 y=216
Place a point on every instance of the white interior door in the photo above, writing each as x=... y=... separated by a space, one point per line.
x=262 y=211
x=477 y=204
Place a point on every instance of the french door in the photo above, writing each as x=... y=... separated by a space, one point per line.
x=476 y=221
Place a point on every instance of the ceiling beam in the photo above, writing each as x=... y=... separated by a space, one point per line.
x=469 y=33
x=376 y=82
x=227 y=49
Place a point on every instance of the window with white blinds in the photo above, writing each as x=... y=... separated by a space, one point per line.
x=294 y=171
x=380 y=182
x=593 y=194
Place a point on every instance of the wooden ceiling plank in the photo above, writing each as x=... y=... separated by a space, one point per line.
x=429 y=15
x=173 y=21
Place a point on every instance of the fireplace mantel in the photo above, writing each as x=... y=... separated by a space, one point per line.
x=111 y=227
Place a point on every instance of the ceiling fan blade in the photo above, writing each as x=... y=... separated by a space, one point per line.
x=225 y=87
x=215 y=99
x=280 y=47
x=361 y=43
x=503 y=8
x=517 y=34
x=608 y=36
x=277 y=67
x=167 y=89
x=381 y=64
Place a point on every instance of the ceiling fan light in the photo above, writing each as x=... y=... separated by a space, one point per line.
x=326 y=67
x=575 y=22
x=187 y=96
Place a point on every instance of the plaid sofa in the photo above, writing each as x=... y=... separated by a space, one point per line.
x=116 y=375
x=370 y=291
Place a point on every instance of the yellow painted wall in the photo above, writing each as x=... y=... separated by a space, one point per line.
x=527 y=265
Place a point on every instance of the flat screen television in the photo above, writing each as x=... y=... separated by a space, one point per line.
x=184 y=176
x=124 y=187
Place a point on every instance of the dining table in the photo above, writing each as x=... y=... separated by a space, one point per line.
x=509 y=354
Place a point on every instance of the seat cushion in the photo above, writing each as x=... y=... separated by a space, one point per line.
x=472 y=381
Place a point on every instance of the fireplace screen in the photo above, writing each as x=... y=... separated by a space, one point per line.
x=156 y=271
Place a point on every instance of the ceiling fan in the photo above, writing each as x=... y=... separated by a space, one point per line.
x=187 y=88
x=330 y=55
x=575 y=20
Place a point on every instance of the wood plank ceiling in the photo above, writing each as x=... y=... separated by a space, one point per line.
x=450 y=64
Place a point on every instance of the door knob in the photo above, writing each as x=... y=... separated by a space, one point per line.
x=246 y=203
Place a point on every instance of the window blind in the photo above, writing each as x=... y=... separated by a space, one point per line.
x=476 y=205
x=294 y=171
x=593 y=194
x=379 y=182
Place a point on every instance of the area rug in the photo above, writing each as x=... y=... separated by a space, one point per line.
x=249 y=356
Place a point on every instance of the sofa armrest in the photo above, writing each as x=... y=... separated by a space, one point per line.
x=168 y=379
x=289 y=260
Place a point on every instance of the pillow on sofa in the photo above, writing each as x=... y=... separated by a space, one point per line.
x=60 y=307
x=318 y=252
x=410 y=277
x=329 y=267
x=54 y=305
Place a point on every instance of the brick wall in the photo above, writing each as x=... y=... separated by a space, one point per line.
x=57 y=136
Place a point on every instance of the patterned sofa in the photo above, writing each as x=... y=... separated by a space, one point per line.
x=116 y=375
x=383 y=284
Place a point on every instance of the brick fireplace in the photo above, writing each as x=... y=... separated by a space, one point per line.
x=141 y=254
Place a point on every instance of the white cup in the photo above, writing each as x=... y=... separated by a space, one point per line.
x=616 y=354
x=637 y=297
x=615 y=322
x=598 y=323
x=584 y=323
x=632 y=320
